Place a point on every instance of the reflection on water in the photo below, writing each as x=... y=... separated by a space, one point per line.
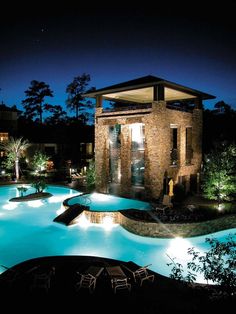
x=27 y=232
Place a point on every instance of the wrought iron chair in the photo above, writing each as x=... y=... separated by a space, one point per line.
x=140 y=274
x=119 y=281
x=89 y=278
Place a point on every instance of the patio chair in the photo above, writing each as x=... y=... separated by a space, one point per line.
x=140 y=274
x=88 y=279
x=119 y=280
x=42 y=280
x=120 y=284
x=11 y=275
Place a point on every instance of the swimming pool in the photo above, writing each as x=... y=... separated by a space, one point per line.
x=106 y=202
x=27 y=231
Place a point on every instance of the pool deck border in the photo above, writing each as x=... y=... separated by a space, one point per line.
x=172 y=230
x=156 y=229
x=159 y=229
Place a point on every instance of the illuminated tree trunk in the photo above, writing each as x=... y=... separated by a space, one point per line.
x=17 y=168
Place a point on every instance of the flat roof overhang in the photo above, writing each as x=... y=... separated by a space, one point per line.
x=145 y=95
x=141 y=90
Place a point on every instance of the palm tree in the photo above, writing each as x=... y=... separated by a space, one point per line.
x=15 y=149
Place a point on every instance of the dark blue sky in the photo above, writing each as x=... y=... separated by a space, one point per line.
x=195 y=48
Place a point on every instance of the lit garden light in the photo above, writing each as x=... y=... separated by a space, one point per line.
x=178 y=248
x=220 y=207
x=219 y=174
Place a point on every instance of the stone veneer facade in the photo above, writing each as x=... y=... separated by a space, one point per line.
x=157 y=122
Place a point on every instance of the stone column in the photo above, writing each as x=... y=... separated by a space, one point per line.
x=98 y=111
x=99 y=101
x=197 y=139
x=182 y=145
x=101 y=157
x=157 y=150
x=125 y=160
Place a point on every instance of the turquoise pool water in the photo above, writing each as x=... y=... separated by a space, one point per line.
x=27 y=231
x=105 y=202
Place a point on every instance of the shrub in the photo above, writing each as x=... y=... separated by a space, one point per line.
x=39 y=185
x=219 y=181
x=217 y=265
x=22 y=190
x=90 y=176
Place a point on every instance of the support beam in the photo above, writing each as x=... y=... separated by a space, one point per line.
x=98 y=101
x=161 y=92
x=158 y=92
x=155 y=93
x=198 y=103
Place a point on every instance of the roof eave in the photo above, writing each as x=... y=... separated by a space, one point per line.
x=153 y=81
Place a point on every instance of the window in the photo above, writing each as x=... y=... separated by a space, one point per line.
x=189 y=150
x=174 y=145
x=89 y=148
x=115 y=152
x=3 y=137
x=137 y=154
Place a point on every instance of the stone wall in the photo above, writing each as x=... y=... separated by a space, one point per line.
x=158 y=121
x=101 y=217
x=160 y=230
x=101 y=157
x=157 y=136
x=125 y=159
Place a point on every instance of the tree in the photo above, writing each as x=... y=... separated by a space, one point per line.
x=218 y=125
x=75 y=91
x=34 y=103
x=219 y=181
x=58 y=114
x=15 y=149
x=222 y=107
x=40 y=185
x=39 y=162
x=91 y=176
x=217 y=265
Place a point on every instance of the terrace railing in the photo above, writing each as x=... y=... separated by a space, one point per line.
x=127 y=107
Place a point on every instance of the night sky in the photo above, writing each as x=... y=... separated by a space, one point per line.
x=195 y=48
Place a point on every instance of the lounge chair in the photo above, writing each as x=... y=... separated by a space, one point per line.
x=166 y=203
x=42 y=280
x=88 y=279
x=11 y=275
x=140 y=274
x=119 y=280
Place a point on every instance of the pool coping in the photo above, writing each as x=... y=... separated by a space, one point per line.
x=157 y=229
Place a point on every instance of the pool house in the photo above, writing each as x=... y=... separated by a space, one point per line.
x=147 y=132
